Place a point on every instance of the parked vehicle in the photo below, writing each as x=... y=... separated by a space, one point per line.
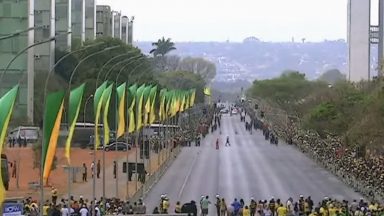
x=91 y=143
x=119 y=146
x=4 y=171
x=23 y=132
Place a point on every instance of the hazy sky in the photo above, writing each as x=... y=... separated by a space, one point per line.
x=220 y=20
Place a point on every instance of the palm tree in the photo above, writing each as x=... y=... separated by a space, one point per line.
x=162 y=47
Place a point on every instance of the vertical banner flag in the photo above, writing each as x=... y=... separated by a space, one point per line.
x=207 y=91
x=7 y=103
x=121 y=90
x=182 y=104
x=54 y=106
x=162 y=113
x=97 y=103
x=75 y=98
x=131 y=100
x=152 y=97
x=147 y=104
x=193 y=95
x=139 y=107
x=106 y=100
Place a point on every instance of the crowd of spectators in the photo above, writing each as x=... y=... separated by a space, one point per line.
x=361 y=170
x=237 y=207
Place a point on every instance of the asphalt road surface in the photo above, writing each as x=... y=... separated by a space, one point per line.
x=250 y=167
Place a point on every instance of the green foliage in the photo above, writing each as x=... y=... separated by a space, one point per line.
x=286 y=91
x=332 y=76
x=183 y=80
x=354 y=112
x=162 y=47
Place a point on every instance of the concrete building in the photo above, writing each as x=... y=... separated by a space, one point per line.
x=124 y=29
x=116 y=24
x=44 y=53
x=78 y=22
x=90 y=19
x=14 y=18
x=63 y=24
x=103 y=21
x=358 y=40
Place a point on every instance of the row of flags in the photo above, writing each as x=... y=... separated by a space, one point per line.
x=137 y=107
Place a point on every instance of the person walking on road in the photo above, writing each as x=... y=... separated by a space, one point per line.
x=98 y=168
x=223 y=207
x=218 y=205
x=227 y=142
x=205 y=206
x=84 y=172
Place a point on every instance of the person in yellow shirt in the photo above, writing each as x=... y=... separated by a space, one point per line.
x=178 y=207
x=246 y=211
x=45 y=209
x=324 y=211
x=165 y=206
x=282 y=210
x=332 y=210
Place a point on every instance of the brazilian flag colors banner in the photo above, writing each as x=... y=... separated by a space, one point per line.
x=139 y=107
x=7 y=103
x=106 y=101
x=192 y=99
x=131 y=100
x=97 y=103
x=152 y=97
x=162 y=114
x=54 y=106
x=121 y=90
x=75 y=99
x=147 y=104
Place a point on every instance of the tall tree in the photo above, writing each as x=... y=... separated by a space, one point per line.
x=162 y=47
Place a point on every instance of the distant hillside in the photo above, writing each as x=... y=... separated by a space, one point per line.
x=259 y=60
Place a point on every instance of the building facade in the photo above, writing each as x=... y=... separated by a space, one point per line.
x=116 y=24
x=63 y=24
x=90 y=19
x=358 y=40
x=103 y=21
x=15 y=18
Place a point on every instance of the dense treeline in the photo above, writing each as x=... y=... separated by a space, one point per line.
x=354 y=112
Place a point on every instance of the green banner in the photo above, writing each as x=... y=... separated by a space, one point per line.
x=97 y=103
x=131 y=107
x=106 y=100
x=152 y=98
x=51 y=127
x=7 y=103
x=121 y=92
x=139 y=107
x=75 y=99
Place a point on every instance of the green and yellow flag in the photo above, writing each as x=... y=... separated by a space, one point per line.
x=152 y=97
x=121 y=91
x=54 y=106
x=147 y=104
x=75 y=98
x=7 y=103
x=139 y=107
x=106 y=100
x=162 y=113
x=192 y=99
x=207 y=91
x=131 y=101
x=182 y=104
x=97 y=104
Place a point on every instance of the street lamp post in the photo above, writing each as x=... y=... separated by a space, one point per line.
x=85 y=107
x=96 y=126
x=19 y=32
x=105 y=78
x=117 y=78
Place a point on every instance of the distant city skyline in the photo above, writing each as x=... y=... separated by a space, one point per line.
x=221 y=20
